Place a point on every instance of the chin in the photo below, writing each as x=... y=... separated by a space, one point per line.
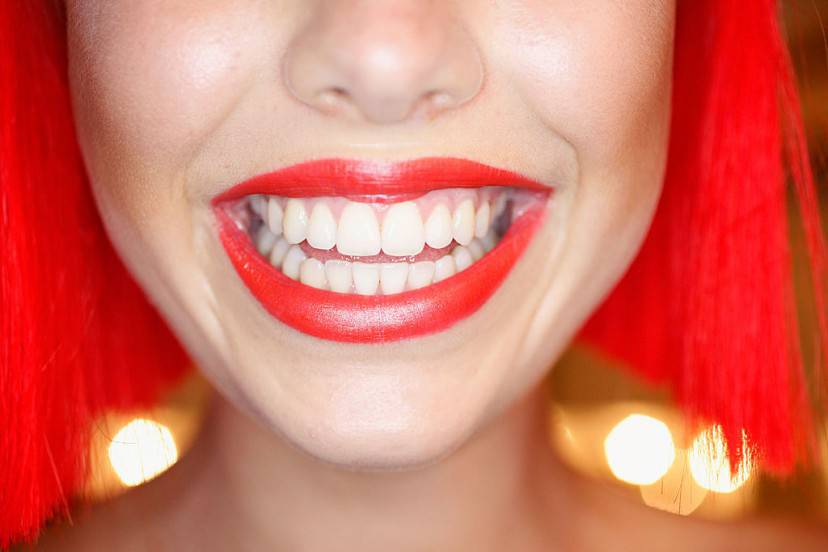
x=380 y=448
x=380 y=424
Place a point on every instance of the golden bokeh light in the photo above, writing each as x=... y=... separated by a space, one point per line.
x=141 y=450
x=639 y=449
x=710 y=465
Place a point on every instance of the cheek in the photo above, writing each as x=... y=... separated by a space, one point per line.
x=148 y=83
x=150 y=79
x=597 y=72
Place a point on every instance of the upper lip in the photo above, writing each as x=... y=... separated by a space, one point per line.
x=379 y=181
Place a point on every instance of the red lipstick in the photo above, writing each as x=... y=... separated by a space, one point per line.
x=379 y=318
x=374 y=181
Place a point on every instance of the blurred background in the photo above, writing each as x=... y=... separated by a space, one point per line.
x=604 y=424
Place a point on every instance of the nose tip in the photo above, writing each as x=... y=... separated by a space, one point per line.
x=383 y=63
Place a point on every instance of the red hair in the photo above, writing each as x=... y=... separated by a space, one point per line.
x=707 y=307
x=79 y=336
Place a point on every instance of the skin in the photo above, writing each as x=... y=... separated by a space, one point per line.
x=436 y=443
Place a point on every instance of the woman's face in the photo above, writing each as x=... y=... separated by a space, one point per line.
x=394 y=361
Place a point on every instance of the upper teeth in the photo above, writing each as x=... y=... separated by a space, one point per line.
x=321 y=227
x=403 y=230
x=294 y=221
x=438 y=228
x=358 y=232
x=358 y=229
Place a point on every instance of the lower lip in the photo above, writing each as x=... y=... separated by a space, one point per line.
x=355 y=318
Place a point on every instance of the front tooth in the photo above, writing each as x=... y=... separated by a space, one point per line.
x=292 y=263
x=402 y=230
x=322 y=227
x=420 y=275
x=438 y=231
x=358 y=233
x=393 y=277
x=312 y=273
x=476 y=250
x=462 y=258
x=295 y=221
x=275 y=216
x=481 y=220
x=463 y=222
x=444 y=268
x=339 y=276
x=277 y=256
x=366 y=278
x=264 y=240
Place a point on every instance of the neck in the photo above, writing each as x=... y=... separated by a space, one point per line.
x=484 y=496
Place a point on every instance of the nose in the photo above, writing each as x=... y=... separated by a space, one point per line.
x=383 y=61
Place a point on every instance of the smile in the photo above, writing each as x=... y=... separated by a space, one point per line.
x=364 y=252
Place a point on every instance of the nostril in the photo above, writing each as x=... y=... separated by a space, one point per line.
x=432 y=103
x=439 y=99
x=381 y=65
x=332 y=100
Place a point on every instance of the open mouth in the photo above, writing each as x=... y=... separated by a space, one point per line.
x=362 y=251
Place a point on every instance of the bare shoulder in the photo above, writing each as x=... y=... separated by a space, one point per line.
x=761 y=534
x=125 y=523
x=142 y=519
x=779 y=535
x=665 y=532
x=157 y=517
x=621 y=524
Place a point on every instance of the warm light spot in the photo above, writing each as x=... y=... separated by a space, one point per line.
x=639 y=450
x=141 y=450
x=710 y=466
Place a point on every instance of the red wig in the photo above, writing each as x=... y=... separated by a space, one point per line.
x=706 y=308
x=79 y=336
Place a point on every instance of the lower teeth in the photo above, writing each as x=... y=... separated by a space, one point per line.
x=367 y=278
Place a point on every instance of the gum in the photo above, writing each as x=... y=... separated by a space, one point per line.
x=450 y=197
